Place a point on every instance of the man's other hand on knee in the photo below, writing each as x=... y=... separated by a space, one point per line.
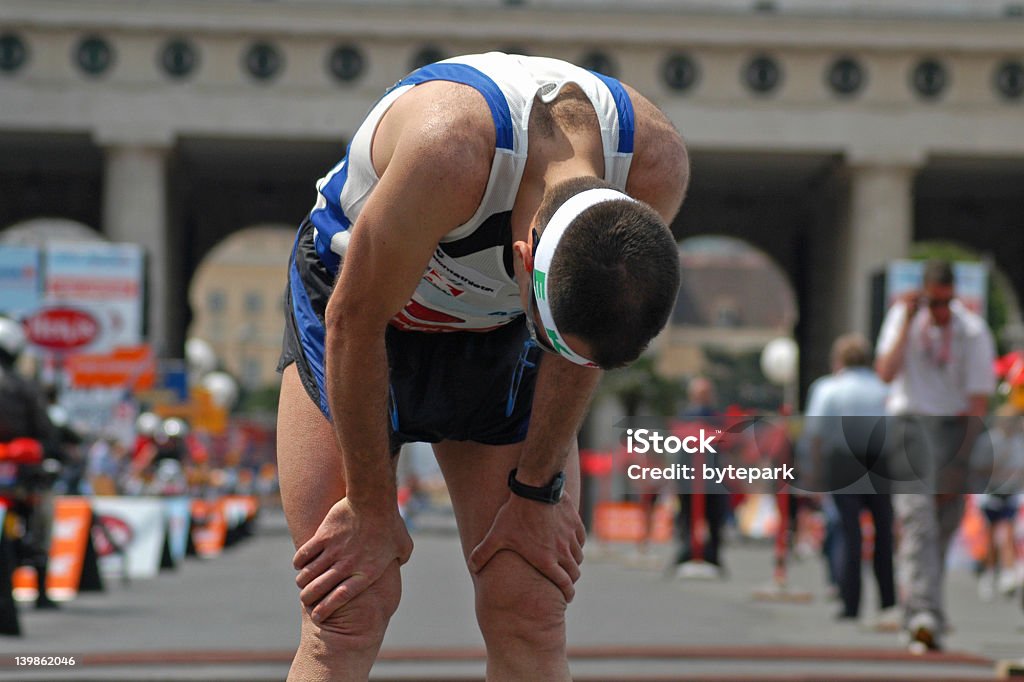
x=548 y=537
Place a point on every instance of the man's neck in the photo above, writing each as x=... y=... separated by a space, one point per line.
x=536 y=184
x=551 y=159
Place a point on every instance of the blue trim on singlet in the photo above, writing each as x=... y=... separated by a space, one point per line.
x=311 y=333
x=473 y=77
x=624 y=105
x=331 y=219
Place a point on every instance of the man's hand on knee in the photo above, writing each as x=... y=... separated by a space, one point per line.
x=348 y=553
x=549 y=537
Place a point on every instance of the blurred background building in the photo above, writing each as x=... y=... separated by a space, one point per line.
x=829 y=136
x=238 y=302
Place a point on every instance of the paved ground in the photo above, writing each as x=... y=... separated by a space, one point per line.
x=234 y=618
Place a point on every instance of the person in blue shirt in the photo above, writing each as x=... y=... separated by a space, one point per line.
x=844 y=413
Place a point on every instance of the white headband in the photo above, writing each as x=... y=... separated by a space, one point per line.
x=553 y=231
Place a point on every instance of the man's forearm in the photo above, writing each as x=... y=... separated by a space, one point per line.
x=357 y=388
x=889 y=365
x=560 y=403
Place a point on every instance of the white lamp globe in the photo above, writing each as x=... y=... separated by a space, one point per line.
x=779 y=360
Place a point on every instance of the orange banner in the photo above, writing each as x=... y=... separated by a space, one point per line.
x=209 y=527
x=132 y=367
x=72 y=517
x=624 y=522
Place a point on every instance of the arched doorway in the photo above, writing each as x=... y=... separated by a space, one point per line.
x=237 y=297
x=733 y=299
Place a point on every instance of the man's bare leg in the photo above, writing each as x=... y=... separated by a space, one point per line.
x=344 y=646
x=521 y=613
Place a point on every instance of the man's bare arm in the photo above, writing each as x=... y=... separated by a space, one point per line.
x=433 y=181
x=889 y=364
x=660 y=171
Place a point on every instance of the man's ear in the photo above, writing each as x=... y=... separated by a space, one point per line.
x=524 y=253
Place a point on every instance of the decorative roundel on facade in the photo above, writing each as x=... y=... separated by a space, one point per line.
x=13 y=53
x=94 y=55
x=427 y=55
x=179 y=58
x=846 y=76
x=1009 y=80
x=599 y=62
x=930 y=78
x=680 y=72
x=346 y=63
x=264 y=61
x=763 y=74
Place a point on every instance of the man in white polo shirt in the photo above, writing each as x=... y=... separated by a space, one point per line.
x=938 y=357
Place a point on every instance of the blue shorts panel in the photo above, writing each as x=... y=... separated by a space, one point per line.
x=468 y=386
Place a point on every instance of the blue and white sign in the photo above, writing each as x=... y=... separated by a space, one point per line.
x=20 y=289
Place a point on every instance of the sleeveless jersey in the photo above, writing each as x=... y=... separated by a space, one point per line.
x=469 y=283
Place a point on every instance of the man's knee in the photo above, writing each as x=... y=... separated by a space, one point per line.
x=515 y=603
x=360 y=624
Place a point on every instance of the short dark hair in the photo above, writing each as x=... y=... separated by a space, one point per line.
x=938 y=272
x=615 y=274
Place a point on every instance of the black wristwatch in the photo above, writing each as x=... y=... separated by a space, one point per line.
x=549 y=494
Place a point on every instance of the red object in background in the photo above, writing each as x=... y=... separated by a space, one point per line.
x=22 y=451
x=595 y=463
x=61 y=329
x=1010 y=368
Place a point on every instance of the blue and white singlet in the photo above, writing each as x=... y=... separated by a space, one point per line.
x=468 y=284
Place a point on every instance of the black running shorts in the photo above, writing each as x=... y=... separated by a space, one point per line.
x=467 y=386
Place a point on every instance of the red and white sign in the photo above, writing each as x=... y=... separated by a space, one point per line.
x=61 y=329
x=106 y=280
x=134 y=530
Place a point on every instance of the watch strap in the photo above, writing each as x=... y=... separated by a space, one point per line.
x=549 y=494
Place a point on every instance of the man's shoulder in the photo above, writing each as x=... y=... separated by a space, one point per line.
x=440 y=112
x=440 y=125
x=864 y=378
x=974 y=324
x=820 y=384
x=660 y=170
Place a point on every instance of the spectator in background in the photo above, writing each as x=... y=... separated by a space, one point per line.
x=701 y=406
x=938 y=357
x=839 y=418
x=812 y=474
x=1003 y=466
x=23 y=414
x=105 y=461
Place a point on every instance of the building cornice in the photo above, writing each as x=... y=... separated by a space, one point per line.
x=600 y=25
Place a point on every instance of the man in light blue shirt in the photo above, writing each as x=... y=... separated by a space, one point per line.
x=845 y=412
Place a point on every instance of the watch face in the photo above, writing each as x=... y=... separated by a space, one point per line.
x=557 y=486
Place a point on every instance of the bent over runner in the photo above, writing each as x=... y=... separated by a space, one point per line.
x=494 y=237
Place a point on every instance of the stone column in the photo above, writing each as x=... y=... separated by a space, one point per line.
x=880 y=228
x=135 y=210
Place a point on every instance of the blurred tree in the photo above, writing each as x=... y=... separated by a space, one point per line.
x=739 y=381
x=260 y=400
x=641 y=390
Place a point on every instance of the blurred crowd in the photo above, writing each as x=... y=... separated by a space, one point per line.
x=167 y=457
x=912 y=446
